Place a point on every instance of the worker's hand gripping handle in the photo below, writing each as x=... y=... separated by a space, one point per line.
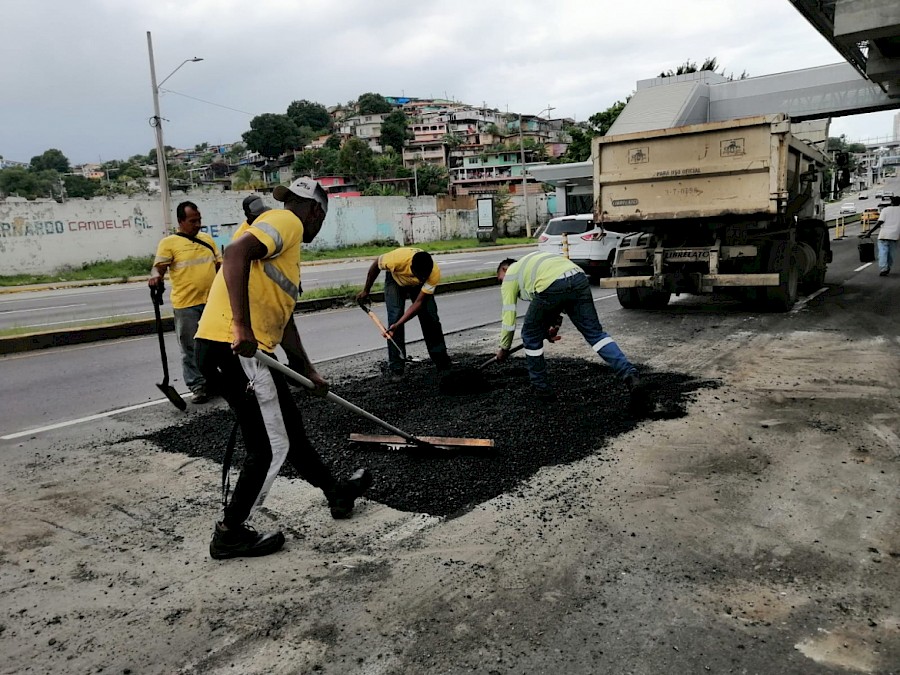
x=156 y=292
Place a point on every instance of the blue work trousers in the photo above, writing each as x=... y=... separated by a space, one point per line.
x=395 y=297
x=186 y=320
x=887 y=251
x=570 y=295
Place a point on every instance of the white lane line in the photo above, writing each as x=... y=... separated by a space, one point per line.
x=603 y=297
x=862 y=267
x=40 y=309
x=86 y=318
x=89 y=418
x=454 y=262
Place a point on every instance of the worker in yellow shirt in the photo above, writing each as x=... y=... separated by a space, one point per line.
x=554 y=284
x=251 y=306
x=192 y=260
x=411 y=274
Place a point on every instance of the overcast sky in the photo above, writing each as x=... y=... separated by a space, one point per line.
x=76 y=74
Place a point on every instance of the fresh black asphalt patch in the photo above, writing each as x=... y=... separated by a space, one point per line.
x=592 y=409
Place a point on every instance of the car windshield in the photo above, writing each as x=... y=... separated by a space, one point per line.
x=569 y=226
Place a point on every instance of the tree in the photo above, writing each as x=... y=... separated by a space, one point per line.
x=432 y=179
x=356 y=160
x=308 y=114
x=372 y=104
x=387 y=164
x=602 y=121
x=579 y=148
x=51 y=159
x=395 y=131
x=20 y=182
x=711 y=63
x=320 y=162
x=235 y=152
x=79 y=186
x=333 y=142
x=271 y=135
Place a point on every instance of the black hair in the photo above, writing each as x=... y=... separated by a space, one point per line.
x=181 y=210
x=895 y=200
x=506 y=263
x=421 y=265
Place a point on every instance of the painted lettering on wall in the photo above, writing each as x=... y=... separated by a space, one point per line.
x=19 y=227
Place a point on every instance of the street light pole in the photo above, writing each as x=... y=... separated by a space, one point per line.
x=156 y=123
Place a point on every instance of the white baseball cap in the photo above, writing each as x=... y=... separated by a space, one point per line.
x=304 y=187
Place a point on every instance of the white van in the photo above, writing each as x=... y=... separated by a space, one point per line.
x=590 y=246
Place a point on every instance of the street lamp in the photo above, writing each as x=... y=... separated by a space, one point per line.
x=156 y=122
x=547 y=110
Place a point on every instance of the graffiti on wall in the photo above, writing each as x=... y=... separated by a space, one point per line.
x=21 y=227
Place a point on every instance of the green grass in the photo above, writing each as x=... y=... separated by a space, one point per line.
x=377 y=248
x=104 y=269
x=140 y=266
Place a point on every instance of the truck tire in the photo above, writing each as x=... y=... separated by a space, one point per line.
x=781 y=260
x=641 y=298
x=815 y=278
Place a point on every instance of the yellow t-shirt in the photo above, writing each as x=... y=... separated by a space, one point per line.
x=192 y=267
x=399 y=263
x=273 y=284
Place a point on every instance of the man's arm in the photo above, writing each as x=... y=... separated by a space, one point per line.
x=411 y=311
x=236 y=272
x=298 y=359
x=371 y=276
x=509 y=295
x=157 y=274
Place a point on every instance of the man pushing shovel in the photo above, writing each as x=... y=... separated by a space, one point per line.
x=554 y=285
x=258 y=280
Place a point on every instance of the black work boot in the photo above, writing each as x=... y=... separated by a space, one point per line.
x=342 y=496
x=639 y=402
x=243 y=541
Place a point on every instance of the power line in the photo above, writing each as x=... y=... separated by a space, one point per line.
x=218 y=105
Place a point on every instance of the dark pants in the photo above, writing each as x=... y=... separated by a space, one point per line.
x=271 y=427
x=395 y=297
x=571 y=295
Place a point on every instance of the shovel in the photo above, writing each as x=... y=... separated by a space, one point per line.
x=400 y=437
x=384 y=331
x=156 y=294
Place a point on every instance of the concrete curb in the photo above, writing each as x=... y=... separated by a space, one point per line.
x=34 y=341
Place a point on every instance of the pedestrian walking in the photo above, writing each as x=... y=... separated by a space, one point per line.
x=889 y=223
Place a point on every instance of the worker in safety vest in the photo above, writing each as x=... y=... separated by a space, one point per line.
x=554 y=285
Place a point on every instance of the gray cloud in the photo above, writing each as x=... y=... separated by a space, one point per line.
x=80 y=81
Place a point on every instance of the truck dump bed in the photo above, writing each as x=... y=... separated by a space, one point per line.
x=715 y=170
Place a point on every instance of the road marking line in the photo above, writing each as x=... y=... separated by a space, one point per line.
x=88 y=318
x=603 y=297
x=40 y=309
x=862 y=267
x=89 y=418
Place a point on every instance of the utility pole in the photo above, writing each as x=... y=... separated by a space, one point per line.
x=524 y=180
x=156 y=123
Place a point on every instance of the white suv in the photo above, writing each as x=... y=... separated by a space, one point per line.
x=590 y=246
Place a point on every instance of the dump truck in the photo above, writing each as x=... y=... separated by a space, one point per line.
x=732 y=207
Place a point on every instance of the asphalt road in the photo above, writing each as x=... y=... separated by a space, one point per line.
x=54 y=310
x=833 y=210
x=55 y=387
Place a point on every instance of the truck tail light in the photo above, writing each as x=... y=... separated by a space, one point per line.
x=593 y=236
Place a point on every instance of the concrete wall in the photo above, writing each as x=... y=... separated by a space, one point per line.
x=43 y=235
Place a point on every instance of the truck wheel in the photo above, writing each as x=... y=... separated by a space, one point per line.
x=781 y=260
x=642 y=298
x=815 y=278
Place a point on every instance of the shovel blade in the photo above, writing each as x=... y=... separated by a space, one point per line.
x=445 y=442
x=173 y=396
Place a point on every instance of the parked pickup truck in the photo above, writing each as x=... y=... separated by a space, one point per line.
x=730 y=206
